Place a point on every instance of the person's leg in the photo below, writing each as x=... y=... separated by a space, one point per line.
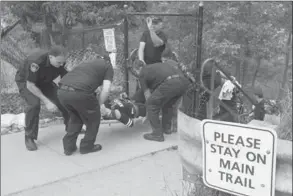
x=32 y=112
x=50 y=91
x=74 y=127
x=154 y=105
x=168 y=113
x=89 y=110
x=173 y=91
x=160 y=96
x=74 y=124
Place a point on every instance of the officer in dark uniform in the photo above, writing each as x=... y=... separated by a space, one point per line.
x=162 y=85
x=152 y=44
x=35 y=82
x=77 y=94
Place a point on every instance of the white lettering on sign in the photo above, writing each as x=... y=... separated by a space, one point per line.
x=239 y=159
x=109 y=37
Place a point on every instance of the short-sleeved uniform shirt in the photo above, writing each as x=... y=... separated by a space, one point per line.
x=153 y=75
x=153 y=54
x=38 y=70
x=88 y=76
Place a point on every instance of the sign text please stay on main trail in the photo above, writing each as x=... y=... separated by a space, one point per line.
x=239 y=159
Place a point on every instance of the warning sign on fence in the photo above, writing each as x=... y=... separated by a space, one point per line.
x=109 y=37
x=239 y=159
x=110 y=44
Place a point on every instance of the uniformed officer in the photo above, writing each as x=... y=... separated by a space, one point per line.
x=77 y=94
x=152 y=44
x=35 y=82
x=162 y=85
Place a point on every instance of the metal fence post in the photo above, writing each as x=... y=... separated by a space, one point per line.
x=210 y=105
x=198 y=55
x=126 y=54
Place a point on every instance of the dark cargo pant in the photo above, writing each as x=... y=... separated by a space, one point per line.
x=83 y=108
x=164 y=97
x=33 y=108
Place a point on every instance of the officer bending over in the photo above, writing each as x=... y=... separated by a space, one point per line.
x=162 y=85
x=35 y=83
x=77 y=94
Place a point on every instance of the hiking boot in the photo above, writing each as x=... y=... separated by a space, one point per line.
x=157 y=138
x=96 y=148
x=30 y=144
x=70 y=152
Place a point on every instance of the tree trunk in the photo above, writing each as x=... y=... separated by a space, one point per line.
x=256 y=71
x=248 y=52
x=288 y=49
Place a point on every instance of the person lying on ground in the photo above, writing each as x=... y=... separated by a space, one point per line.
x=124 y=110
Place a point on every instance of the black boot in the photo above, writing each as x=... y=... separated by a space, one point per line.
x=153 y=137
x=30 y=144
x=70 y=152
x=96 y=148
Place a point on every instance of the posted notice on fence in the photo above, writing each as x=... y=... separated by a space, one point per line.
x=109 y=37
x=239 y=159
x=110 y=44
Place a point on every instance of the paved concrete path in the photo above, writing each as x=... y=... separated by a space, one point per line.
x=22 y=170
x=152 y=175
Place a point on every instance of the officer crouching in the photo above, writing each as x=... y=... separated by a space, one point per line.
x=162 y=85
x=77 y=94
x=35 y=83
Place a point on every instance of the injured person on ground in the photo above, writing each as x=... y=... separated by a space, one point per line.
x=123 y=109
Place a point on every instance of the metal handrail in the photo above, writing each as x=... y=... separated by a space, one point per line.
x=229 y=78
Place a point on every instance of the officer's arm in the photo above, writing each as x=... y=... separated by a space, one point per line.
x=36 y=91
x=108 y=78
x=142 y=46
x=63 y=71
x=33 y=73
x=159 y=38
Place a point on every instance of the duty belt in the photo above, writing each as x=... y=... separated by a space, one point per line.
x=171 y=77
x=68 y=88
x=168 y=78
